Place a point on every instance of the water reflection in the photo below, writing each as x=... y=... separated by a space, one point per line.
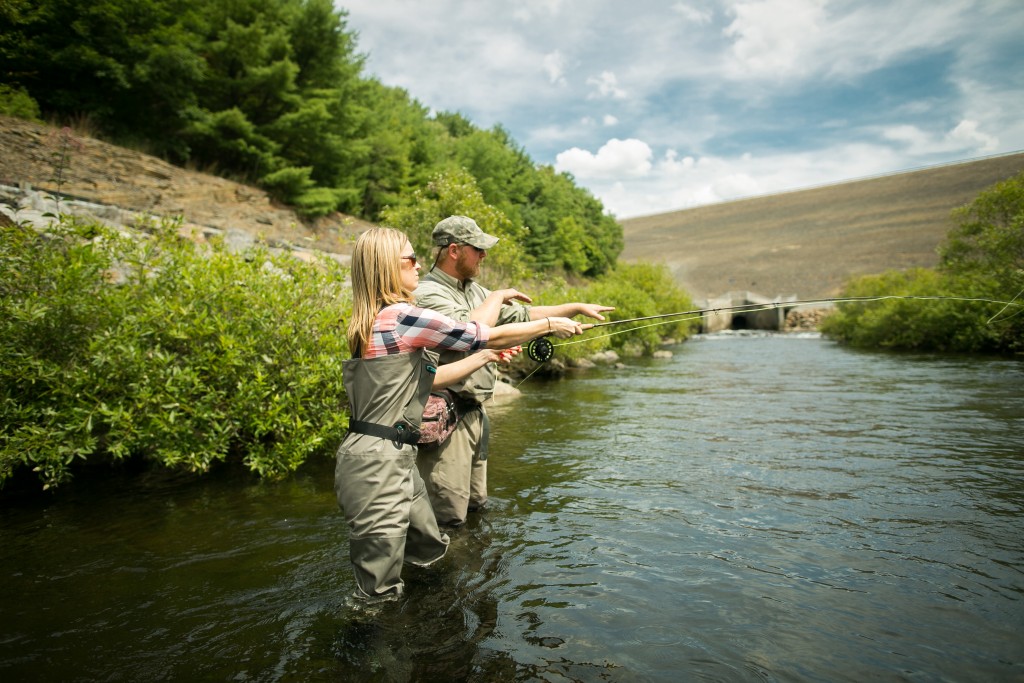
x=753 y=509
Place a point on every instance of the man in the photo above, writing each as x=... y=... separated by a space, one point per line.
x=455 y=473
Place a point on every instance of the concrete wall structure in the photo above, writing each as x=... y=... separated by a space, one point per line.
x=746 y=311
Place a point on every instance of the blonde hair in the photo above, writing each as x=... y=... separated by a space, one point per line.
x=376 y=282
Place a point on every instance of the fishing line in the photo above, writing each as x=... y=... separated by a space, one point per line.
x=542 y=349
x=753 y=307
x=1008 y=303
x=540 y=364
x=632 y=329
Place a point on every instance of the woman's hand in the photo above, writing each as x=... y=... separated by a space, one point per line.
x=508 y=354
x=452 y=373
x=502 y=355
x=563 y=328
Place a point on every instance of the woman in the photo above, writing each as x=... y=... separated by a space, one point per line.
x=388 y=380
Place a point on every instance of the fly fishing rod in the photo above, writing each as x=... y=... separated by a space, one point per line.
x=542 y=349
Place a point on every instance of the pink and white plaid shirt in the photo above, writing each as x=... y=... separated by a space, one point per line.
x=402 y=328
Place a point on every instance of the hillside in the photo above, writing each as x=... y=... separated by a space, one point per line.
x=102 y=173
x=808 y=243
x=805 y=243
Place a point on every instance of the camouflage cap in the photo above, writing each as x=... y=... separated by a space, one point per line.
x=462 y=230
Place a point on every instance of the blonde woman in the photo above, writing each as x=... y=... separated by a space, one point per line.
x=388 y=380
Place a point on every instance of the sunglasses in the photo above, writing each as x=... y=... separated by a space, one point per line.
x=410 y=257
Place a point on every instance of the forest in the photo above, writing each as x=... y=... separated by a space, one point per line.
x=273 y=92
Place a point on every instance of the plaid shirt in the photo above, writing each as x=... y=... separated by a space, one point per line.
x=402 y=328
x=439 y=291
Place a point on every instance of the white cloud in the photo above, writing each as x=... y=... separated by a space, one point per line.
x=615 y=158
x=876 y=86
x=773 y=37
x=673 y=183
x=529 y=10
x=871 y=35
x=782 y=40
x=966 y=139
x=554 y=65
x=607 y=86
x=913 y=138
x=692 y=14
x=672 y=165
x=967 y=135
x=996 y=109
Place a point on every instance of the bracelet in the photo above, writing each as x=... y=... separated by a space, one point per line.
x=549 y=323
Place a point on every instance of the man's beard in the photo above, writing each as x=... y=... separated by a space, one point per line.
x=465 y=270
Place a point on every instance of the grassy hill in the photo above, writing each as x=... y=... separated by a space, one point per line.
x=809 y=242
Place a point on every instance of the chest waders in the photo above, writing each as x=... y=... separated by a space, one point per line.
x=375 y=479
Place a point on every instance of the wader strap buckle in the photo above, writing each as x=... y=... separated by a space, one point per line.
x=466 y=405
x=398 y=435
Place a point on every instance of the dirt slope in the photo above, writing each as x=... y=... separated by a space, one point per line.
x=808 y=243
x=106 y=174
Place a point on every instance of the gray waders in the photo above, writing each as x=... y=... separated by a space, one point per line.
x=375 y=478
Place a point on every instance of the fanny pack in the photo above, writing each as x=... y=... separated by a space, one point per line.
x=440 y=417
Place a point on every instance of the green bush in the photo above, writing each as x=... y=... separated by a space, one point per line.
x=635 y=290
x=15 y=101
x=982 y=264
x=456 y=193
x=287 y=183
x=113 y=347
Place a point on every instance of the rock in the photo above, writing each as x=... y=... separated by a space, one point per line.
x=504 y=391
x=118 y=185
x=806 y=319
x=555 y=366
x=608 y=357
x=236 y=241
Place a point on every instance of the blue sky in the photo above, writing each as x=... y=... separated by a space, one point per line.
x=657 y=106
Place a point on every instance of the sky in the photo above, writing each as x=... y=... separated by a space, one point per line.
x=659 y=106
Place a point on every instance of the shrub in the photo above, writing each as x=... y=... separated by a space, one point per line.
x=635 y=290
x=982 y=264
x=456 y=193
x=113 y=347
x=15 y=101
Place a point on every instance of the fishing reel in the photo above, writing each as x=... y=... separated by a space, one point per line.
x=540 y=350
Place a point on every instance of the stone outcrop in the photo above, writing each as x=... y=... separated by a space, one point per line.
x=119 y=184
x=806 y=319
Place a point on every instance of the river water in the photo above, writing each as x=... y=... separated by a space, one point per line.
x=757 y=508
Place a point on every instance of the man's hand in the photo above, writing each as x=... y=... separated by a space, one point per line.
x=593 y=310
x=509 y=295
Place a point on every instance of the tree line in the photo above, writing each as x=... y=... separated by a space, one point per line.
x=273 y=92
x=982 y=258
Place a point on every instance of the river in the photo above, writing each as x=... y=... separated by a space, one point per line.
x=756 y=508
